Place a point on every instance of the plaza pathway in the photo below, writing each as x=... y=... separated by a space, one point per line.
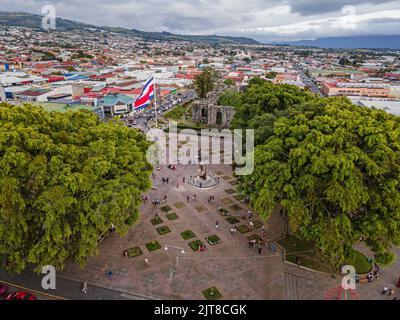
x=237 y=271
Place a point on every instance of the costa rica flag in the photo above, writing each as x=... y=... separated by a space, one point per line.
x=147 y=94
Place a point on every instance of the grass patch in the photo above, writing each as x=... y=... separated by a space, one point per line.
x=153 y=246
x=257 y=224
x=314 y=260
x=232 y=220
x=254 y=237
x=165 y=208
x=227 y=201
x=195 y=245
x=213 y=240
x=172 y=216
x=227 y=177
x=243 y=229
x=230 y=191
x=201 y=208
x=233 y=183
x=134 y=252
x=188 y=234
x=306 y=251
x=163 y=230
x=177 y=113
x=179 y=205
x=239 y=197
x=235 y=207
x=157 y=220
x=211 y=294
x=360 y=262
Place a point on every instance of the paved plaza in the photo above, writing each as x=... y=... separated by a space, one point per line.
x=237 y=271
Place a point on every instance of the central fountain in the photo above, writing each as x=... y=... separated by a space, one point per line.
x=203 y=180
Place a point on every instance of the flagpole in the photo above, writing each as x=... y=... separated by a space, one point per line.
x=155 y=100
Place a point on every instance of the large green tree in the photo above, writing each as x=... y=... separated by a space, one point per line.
x=64 y=179
x=333 y=166
x=204 y=82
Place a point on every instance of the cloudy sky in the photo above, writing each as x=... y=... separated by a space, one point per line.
x=264 y=20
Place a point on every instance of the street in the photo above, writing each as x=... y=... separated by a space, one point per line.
x=67 y=289
x=309 y=82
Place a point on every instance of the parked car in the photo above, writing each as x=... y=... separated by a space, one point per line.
x=3 y=290
x=21 y=296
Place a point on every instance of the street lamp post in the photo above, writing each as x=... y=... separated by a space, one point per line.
x=174 y=266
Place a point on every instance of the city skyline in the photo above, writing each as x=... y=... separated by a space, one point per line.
x=265 y=21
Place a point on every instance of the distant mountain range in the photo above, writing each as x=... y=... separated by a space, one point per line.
x=27 y=20
x=358 y=42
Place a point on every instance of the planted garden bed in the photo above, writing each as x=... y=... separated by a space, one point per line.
x=213 y=240
x=212 y=294
x=232 y=220
x=243 y=229
x=188 y=234
x=163 y=230
x=195 y=245
x=153 y=246
x=172 y=216
x=134 y=252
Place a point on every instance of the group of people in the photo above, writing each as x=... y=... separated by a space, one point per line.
x=253 y=243
x=211 y=199
x=194 y=197
x=165 y=180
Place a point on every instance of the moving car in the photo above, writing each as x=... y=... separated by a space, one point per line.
x=21 y=296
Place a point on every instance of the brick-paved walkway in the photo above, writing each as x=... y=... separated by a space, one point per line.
x=237 y=271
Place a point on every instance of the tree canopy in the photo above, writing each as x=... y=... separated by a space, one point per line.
x=333 y=166
x=204 y=82
x=64 y=179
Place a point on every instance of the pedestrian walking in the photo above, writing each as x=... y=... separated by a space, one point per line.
x=183 y=179
x=251 y=224
x=298 y=262
x=167 y=180
x=187 y=199
x=273 y=247
x=391 y=292
x=146 y=260
x=376 y=271
x=216 y=225
x=259 y=248
x=84 y=287
x=109 y=274
x=385 y=290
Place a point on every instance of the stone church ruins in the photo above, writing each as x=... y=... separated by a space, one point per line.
x=208 y=111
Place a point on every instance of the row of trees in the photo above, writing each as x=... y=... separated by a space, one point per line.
x=64 y=179
x=333 y=166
